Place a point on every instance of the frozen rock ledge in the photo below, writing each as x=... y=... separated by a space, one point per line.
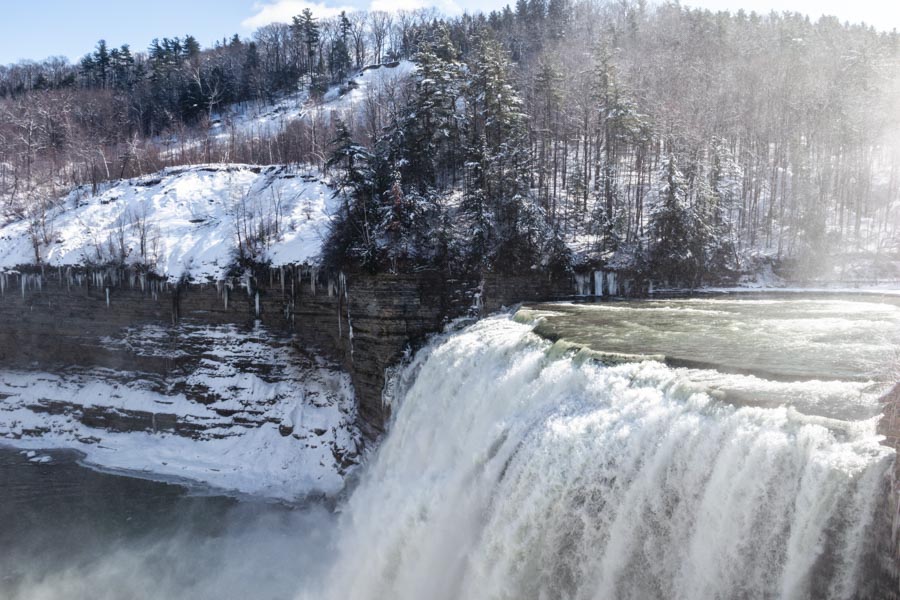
x=234 y=409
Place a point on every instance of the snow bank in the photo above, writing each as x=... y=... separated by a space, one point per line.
x=187 y=218
x=374 y=79
x=266 y=120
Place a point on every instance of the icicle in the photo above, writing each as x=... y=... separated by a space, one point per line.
x=349 y=321
x=330 y=290
x=314 y=274
x=226 y=298
x=257 y=304
x=582 y=284
x=282 y=281
x=107 y=297
x=24 y=279
x=598 y=283
x=2 y=284
x=650 y=289
x=39 y=282
x=611 y=284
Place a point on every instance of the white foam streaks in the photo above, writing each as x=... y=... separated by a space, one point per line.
x=513 y=473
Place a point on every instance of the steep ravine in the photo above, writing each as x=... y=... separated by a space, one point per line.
x=117 y=322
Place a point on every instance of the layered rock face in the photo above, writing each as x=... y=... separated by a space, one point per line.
x=89 y=357
x=62 y=318
x=889 y=426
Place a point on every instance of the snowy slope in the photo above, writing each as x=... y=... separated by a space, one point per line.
x=191 y=215
x=375 y=79
x=260 y=121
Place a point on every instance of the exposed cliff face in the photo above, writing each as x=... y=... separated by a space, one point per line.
x=889 y=426
x=365 y=323
x=87 y=358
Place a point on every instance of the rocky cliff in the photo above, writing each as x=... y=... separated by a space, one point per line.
x=66 y=318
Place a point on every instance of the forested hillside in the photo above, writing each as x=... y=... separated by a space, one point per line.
x=678 y=144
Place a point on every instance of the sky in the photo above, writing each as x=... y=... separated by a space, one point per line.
x=35 y=29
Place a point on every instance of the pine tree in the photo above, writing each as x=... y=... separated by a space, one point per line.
x=102 y=63
x=310 y=38
x=431 y=125
x=355 y=233
x=191 y=49
x=498 y=162
x=340 y=50
x=676 y=252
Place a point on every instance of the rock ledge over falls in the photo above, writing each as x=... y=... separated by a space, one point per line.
x=267 y=383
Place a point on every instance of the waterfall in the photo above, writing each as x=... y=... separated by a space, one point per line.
x=517 y=469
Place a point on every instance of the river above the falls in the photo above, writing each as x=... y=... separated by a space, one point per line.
x=832 y=355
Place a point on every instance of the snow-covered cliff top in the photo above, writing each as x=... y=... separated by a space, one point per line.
x=189 y=219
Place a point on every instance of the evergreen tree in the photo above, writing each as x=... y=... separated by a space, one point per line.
x=354 y=233
x=191 y=48
x=340 y=61
x=498 y=158
x=102 y=63
x=676 y=253
x=430 y=128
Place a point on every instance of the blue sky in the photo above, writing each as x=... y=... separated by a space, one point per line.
x=36 y=29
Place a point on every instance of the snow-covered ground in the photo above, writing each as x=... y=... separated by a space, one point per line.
x=269 y=421
x=188 y=218
x=265 y=120
x=370 y=82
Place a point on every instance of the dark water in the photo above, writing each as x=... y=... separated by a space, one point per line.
x=69 y=532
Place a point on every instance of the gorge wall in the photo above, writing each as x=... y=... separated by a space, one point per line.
x=61 y=318
x=365 y=323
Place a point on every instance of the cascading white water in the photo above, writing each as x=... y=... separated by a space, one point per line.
x=517 y=470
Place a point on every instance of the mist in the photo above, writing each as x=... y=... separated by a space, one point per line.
x=98 y=536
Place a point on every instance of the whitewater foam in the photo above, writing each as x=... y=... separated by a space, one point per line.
x=515 y=471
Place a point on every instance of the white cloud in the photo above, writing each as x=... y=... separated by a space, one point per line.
x=281 y=11
x=447 y=7
x=395 y=5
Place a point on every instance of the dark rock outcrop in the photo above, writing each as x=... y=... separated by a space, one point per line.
x=63 y=318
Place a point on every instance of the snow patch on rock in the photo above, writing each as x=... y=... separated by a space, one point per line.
x=247 y=413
